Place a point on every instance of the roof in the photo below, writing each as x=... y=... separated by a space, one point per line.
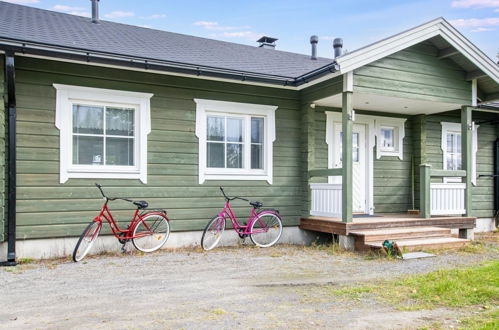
x=437 y=27
x=28 y=24
x=43 y=32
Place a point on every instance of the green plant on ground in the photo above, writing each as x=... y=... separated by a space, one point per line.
x=475 y=287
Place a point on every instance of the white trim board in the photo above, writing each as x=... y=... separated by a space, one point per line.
x=398 y=42
x=66 y=95
x=212 y=106
x=456 y=127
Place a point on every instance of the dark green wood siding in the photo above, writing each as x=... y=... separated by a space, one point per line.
x=3 y=118
x=415 y=73
x=49 y=209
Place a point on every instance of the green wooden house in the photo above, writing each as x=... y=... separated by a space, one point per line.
x=394 y=140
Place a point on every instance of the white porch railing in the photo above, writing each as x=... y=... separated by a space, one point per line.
x=326 y=200
x=447 y=198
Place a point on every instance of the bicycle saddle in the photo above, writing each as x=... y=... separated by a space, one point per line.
x=141 y=204
x=256 y=204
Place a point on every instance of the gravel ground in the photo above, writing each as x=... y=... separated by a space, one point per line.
x=245 y=287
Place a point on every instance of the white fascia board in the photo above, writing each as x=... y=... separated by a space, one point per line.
x=396 y=43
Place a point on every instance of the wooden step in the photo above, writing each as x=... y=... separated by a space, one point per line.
x=398 y=233
x=425 y=243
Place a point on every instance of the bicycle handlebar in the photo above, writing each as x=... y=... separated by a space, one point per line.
x=111 y=198
x=232 y=198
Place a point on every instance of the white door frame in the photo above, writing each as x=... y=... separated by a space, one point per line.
x=369 y=122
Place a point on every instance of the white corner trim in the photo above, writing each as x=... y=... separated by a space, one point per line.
x=399 y=125
x=348 y=82
x=456 y=127
x=203 y=107
x=474 y=93
x=66 y=95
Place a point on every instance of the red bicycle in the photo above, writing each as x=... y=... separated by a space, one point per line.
x=148 y=231
x=264 y=227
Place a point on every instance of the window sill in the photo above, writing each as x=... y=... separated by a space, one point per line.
x=103 y=174
x=245 y=177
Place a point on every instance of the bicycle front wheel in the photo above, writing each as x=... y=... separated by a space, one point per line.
x=86 y=240
x=266 y=229
x=151 y=233
x=213 y=232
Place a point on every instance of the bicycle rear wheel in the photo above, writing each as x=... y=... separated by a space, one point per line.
x=86 y=240
x=266 y=229
x=151 y=233
x=213 y=232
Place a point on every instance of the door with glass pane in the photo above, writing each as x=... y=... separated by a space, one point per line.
x=359 y=166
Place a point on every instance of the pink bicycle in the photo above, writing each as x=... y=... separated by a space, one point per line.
x=264 y=227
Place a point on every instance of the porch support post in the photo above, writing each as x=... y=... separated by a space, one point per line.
x=466 y=152
x=424 y=190
x=308 y=146
x=347 y=125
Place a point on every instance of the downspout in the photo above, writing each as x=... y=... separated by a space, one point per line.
x=10 y=78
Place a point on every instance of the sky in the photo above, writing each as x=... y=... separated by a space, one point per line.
x=358 y=22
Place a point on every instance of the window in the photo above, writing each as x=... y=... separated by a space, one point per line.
x=390 y=137
x=451 y=147
x=235 y=140
x=103 y=133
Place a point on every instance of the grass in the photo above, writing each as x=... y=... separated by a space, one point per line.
x=475 y=288
x=457 y=287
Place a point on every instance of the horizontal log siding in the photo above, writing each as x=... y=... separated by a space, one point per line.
x=3 y=119
x=415 y=73
x=49 y=209
x=483 y=192
x=392 y=176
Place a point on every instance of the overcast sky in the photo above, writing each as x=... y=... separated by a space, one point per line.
x=358 y=22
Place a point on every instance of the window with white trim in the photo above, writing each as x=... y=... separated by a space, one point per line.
x=103 y=133
x=390 y=134
x=235 y=140
x=451 y=148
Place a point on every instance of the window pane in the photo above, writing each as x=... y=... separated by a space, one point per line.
x=256 y=156
x=234 y=130
x=87 y=150
x=215 y=155
x=119 y=121
x=234 y=155
x=257 y=130
x=387 y=137
x=215 y=130
x=119 y=151
x=87 y=119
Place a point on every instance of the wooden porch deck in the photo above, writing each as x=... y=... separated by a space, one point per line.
x=409 y=230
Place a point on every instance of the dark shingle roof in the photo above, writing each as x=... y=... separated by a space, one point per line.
x=30 y=24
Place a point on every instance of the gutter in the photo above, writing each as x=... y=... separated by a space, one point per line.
x=82 y=55
x=10 y=77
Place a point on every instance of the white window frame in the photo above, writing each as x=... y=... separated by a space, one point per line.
x=456 y=127
x=398 y=126
x=223 y=108
x=68 y=95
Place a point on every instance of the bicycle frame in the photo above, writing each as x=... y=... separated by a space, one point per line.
x=238 y=227
x=105 y=213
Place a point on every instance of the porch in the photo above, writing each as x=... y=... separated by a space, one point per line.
x=410 y=231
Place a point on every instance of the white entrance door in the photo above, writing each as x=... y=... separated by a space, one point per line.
x=359 y=169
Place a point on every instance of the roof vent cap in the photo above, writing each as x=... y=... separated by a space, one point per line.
x=95 y=11
x=313 y=41
x=267 y=42
x=337 y=45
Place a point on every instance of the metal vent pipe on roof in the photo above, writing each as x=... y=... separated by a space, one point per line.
x=95 y=11
x=313 y=41
x=337 y=45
